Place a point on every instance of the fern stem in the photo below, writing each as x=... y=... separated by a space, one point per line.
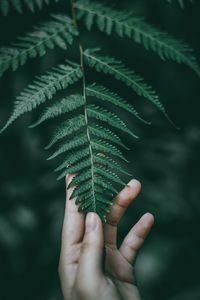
x=85 y=105
x=73 y=12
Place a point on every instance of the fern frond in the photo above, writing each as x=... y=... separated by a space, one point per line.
x=81 y=190
x=111 y=66
x=66 y=128
x=104 y=94
x=57 y=32
x=73 y=158
x=125 y=24
x=110 y=118
x=106 y=134
x=77 y=141
x=60 y=107
x=18 y=5
x=43 y=88
x=88 y=139
x=105 y=184
x=110 y=163
x=108 y=175
x=81 y=165
x=106 y=148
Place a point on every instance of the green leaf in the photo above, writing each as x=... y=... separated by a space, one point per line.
x=58 y=108
x=104 y=94
x=59 y=31
x=110 y=65
x=106 y=148
x=110 y=118
x=43 y=88
x=126 y=24
x=73 y=158
x=67 y=128
x=19 y=5
x=77 y=141
x=105 y=134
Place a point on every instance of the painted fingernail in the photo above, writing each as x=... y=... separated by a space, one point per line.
x=91 y=222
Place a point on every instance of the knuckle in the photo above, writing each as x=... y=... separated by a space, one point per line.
x=86 y=246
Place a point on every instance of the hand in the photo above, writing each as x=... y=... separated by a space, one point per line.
x=83 y=273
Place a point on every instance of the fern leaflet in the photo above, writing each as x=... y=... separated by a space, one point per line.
x=125 y=24
x=57 y=32
x=32 y=5
x=43 y=88
x=104 y=94
x=109 y=65
x=65 y=105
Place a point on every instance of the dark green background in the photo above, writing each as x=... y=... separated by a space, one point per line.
x=165 y=160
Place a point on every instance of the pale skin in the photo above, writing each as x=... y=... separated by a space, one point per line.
x=83 y=271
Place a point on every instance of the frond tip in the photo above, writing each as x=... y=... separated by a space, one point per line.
x=126 y=24
x=102 y=93
x=109 y=65
x=19 y=5
x=43 y=88
x=58 y=32
x=58 y=108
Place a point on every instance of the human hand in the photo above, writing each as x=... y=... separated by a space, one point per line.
x=83 y=272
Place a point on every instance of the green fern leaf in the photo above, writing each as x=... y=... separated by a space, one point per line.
x=80 y=178
x=18 y=5
x=81 y=190
x=111 y=66
x=125 y=24
x=81 y=165
x=103 y=93
x=60 y=107
x=106 y=134
x=105 y=184
x=106 y=148
x=66 y=128
x=109 y=163
x=77 y=141
x=110 y=118
x=57 y=32
x=44 y=87
x=74 y=158
x=88 y=140
x=107 y=174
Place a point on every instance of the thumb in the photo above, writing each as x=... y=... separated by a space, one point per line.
x=90 y=263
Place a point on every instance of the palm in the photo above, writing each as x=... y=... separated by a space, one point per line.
x=117 y=280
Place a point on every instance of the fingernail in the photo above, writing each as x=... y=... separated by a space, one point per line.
x=91 y=222
x=133 y=182
x=149 y=217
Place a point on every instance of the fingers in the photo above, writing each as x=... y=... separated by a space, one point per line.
x=90 y=263
x=120 y=204
x=136 y=236
x=73 y=228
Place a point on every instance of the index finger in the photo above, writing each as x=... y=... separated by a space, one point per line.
x=120 y=204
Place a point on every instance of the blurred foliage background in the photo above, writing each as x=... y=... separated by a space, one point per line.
x=165 y=160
